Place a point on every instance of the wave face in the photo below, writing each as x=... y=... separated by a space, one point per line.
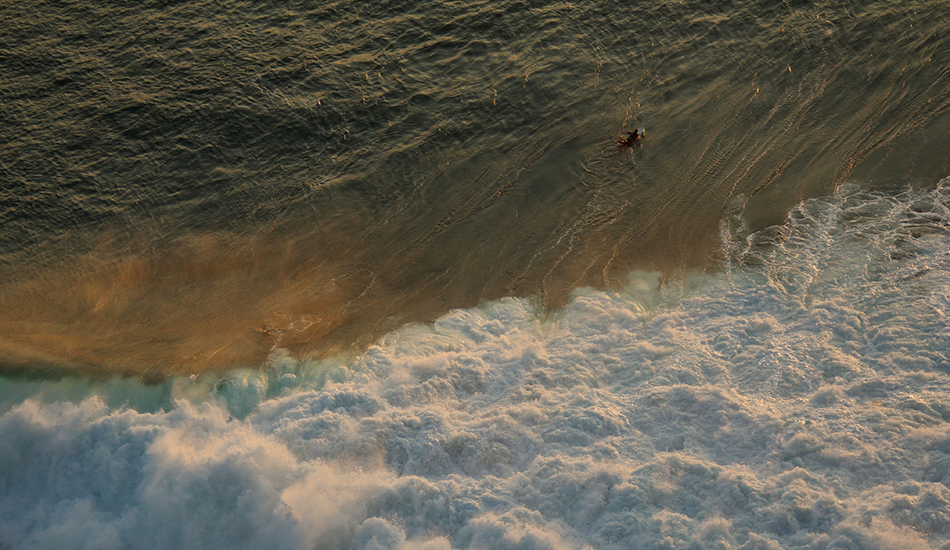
x=188 y=186
x=800 y=397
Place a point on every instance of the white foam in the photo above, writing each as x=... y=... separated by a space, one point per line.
x=800 y=398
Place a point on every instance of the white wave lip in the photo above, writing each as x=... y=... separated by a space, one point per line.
x=800 y=398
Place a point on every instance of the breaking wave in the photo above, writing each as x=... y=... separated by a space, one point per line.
x=798 y=398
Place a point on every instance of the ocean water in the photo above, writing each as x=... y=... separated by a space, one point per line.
x=354 y=275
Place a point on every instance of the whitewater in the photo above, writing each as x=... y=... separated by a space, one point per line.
x=798 y=398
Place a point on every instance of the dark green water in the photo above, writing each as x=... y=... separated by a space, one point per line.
x=188 y=186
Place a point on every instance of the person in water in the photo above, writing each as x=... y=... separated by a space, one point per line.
x=634 y=137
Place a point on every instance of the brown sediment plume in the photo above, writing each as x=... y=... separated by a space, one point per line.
x=212 y=301
x=175 y=313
